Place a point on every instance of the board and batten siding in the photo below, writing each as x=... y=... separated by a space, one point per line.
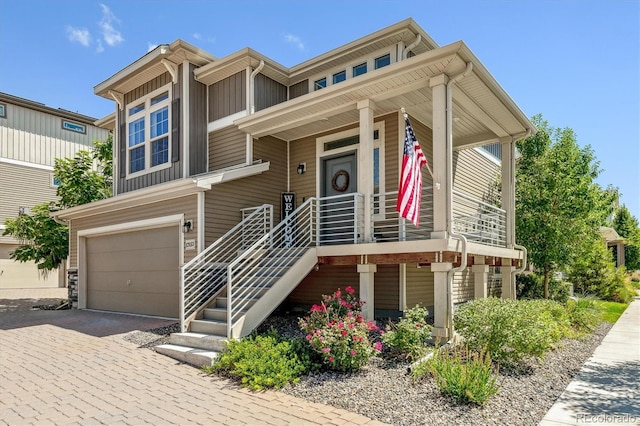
x=37 y=137
x=224 y=202
x=183 y=205
x=268 y=92
x=228 y=96
x=22 y=186
x=227 y=147
x=299 y=89
x=165 y=175
x=197 y=125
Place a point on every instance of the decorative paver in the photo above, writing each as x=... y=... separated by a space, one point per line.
x=74 y=367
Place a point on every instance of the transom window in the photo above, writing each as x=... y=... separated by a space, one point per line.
x=320 y=84
x=339 y=76
x=148 y=132
x=382 y=61
x=3 y=111
x=359 y=69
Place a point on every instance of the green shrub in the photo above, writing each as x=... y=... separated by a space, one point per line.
x=509 y=330
x=463 y=374
x=337 y=331
x=583 y=313
x=263 y=361
x=407 y=338
x=531 y=286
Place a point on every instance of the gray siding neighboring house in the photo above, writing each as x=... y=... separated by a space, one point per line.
x=32 y=136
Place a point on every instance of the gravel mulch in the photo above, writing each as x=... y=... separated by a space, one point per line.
x=153 y=337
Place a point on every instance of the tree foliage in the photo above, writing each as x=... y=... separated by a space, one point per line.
x=626 y=225
x=558 y=203
x=42 y=239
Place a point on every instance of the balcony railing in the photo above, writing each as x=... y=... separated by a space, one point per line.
x=389 y=226
x=478 y=221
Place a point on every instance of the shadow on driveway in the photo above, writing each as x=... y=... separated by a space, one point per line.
x=93 y=323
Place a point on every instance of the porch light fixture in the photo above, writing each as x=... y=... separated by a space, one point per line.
x=186 y=227
x=302 y=167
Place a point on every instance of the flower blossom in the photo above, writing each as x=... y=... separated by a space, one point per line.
x=377 y=346
x=349 y=289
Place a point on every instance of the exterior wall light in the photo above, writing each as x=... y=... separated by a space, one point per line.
x=186 y=227
x=302 y=167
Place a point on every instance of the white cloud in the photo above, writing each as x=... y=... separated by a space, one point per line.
x=200 y=37
x=99 y=48
x=79 y=35
x=197 y=36
x=151 y=46
x=110 y=35
x=295 y=40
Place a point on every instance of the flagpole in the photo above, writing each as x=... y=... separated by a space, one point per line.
x=404 y=114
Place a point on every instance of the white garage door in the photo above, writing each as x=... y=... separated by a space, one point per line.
x=25 y=275
x=134 y=272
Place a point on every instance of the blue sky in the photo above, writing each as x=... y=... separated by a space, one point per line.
x=576 y=62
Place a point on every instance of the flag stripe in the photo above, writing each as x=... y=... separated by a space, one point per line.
x=410 y=186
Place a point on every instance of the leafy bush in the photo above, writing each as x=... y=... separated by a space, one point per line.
x=263 y=361
x=531 y=286
x=509 y=330
x=337 y=331
x=583 y=313
x=463 y=374
x=408 y=336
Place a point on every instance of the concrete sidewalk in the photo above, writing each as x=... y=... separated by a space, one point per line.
x=607 y=388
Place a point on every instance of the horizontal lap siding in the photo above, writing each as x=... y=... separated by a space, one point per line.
x=183 y=205
x=463 y=286
x=494 y=284
x=475 y=175
x=326 y=280
x=224 y=201
x=419 y=286
x=227 y=147
x=386 y=287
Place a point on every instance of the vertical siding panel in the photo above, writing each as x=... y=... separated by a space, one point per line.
x=197 y=125
x=227 y=96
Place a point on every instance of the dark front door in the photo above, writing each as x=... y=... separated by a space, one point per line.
x=337 y=207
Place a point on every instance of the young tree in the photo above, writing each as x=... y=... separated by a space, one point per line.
x=626 y=225
x=42 y=239
x=558 y=203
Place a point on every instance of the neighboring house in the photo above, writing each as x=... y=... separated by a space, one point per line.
x=212 y=153
x=32 y=135
x=615 y=243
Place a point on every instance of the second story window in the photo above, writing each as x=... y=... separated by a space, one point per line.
x=382 y=61
x=339 y=76
x=148 y=133
x=320 y=84
x=360 y=69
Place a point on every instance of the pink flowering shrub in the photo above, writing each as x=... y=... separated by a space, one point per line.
x=337 y=331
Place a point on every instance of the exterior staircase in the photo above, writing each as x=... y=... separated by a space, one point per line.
x=232 y=286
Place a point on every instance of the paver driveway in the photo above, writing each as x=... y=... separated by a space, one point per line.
x=74 y=367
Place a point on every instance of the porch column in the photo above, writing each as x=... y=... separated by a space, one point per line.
x=441 y=311
x=509 y=189
x=480 y=276
x=365 y=162
x=441 y=188
x=367 y=272
x=508 y=280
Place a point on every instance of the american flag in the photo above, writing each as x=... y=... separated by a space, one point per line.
x=410 y=188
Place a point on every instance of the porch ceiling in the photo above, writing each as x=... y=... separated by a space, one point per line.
x=483 y=112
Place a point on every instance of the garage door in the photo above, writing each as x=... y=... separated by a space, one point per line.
x=25 y=275
x=134 y=272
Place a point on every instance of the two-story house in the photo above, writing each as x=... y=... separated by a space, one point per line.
x=242 y=184
x=32 y=136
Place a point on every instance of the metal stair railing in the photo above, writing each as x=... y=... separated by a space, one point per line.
x=261 y=264
x=206 y=274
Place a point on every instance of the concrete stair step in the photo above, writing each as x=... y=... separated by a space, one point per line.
x=199 y=341
x=221 y=302
x=193 y=356
x=204 y=326
x=216 y=314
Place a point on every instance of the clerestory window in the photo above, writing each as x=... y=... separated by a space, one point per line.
x=148 y=134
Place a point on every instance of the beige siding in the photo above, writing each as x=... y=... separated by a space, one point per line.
x=22 y=186
x=224 y=202
x=227 y=147
x=475 y=174
x=419 y=286
x=183 y=205
x=463 y=286
x=326 y=280
x=387 y=287
x=494 y=283
x=36 y=137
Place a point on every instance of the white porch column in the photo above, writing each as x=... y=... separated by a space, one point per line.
x=441 y=312
x=367 y=272
x=480 y=276
x=441 y=188
x=365 y=162
x=508 y=280
x=509 y=189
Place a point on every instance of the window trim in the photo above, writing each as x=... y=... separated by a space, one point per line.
x=146 y=113
x=3 y=110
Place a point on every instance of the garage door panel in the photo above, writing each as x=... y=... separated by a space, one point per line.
x=163 y=305
x=134 y=272
x=133 y=260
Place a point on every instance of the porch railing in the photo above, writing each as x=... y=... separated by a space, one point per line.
x=206 y=274
x=479 y=221
x=387 y=225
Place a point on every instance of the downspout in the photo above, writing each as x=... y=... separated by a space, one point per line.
x=252 y=109
x=451 y=233
x=519 y=270
x=411 y=46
